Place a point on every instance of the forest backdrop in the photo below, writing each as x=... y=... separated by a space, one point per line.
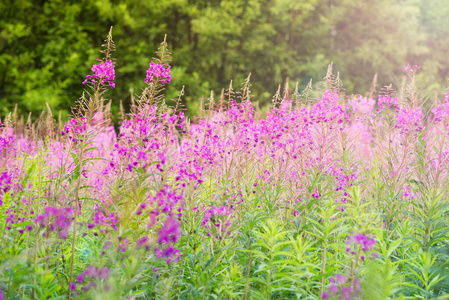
x=48 y=47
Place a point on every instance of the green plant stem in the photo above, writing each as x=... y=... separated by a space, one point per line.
x=248 y=267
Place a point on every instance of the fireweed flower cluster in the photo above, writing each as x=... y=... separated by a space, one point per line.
x=409 y=69
x=316 y=194
x=94 y=275
x=364 y=106
x=409 y=120
x=158 y=71
x=357 y=246
x=74 y=128
x=56 y=220
x=16 y=214
x=4 y=143
x=7 y=142
x=170 y=232
x=217 y=217
x=103 y=218
x=441 y=111
x=141 y=139
x=169 y=235
x=360 y=242
x=103 y=73
x=16 y=217
x=339 y=288
x=386 y=101
x=328 y=109
x=344 y=181
x=408 y=193
x=5 y=185
x=167 y=202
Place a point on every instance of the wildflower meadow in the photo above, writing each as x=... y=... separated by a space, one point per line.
x=321 y=195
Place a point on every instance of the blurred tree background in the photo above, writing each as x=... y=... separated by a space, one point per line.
x=47 y=47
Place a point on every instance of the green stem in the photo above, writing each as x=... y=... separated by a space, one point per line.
x=248 y=267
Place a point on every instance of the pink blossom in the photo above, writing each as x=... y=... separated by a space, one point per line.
x=158 y=71
x=103 y=73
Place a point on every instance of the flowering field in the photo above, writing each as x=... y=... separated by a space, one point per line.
x=323 y=196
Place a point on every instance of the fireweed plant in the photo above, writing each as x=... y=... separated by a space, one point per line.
x=324 y=196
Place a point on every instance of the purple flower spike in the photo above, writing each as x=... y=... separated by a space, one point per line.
x=80 y=278
x=103 y=73
x=170 y=232
x=407 y=68
x=357 y=285
x=333 y=288
x=158 y=71
x=104 y=273
x=346 y=293
x=340 y=278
